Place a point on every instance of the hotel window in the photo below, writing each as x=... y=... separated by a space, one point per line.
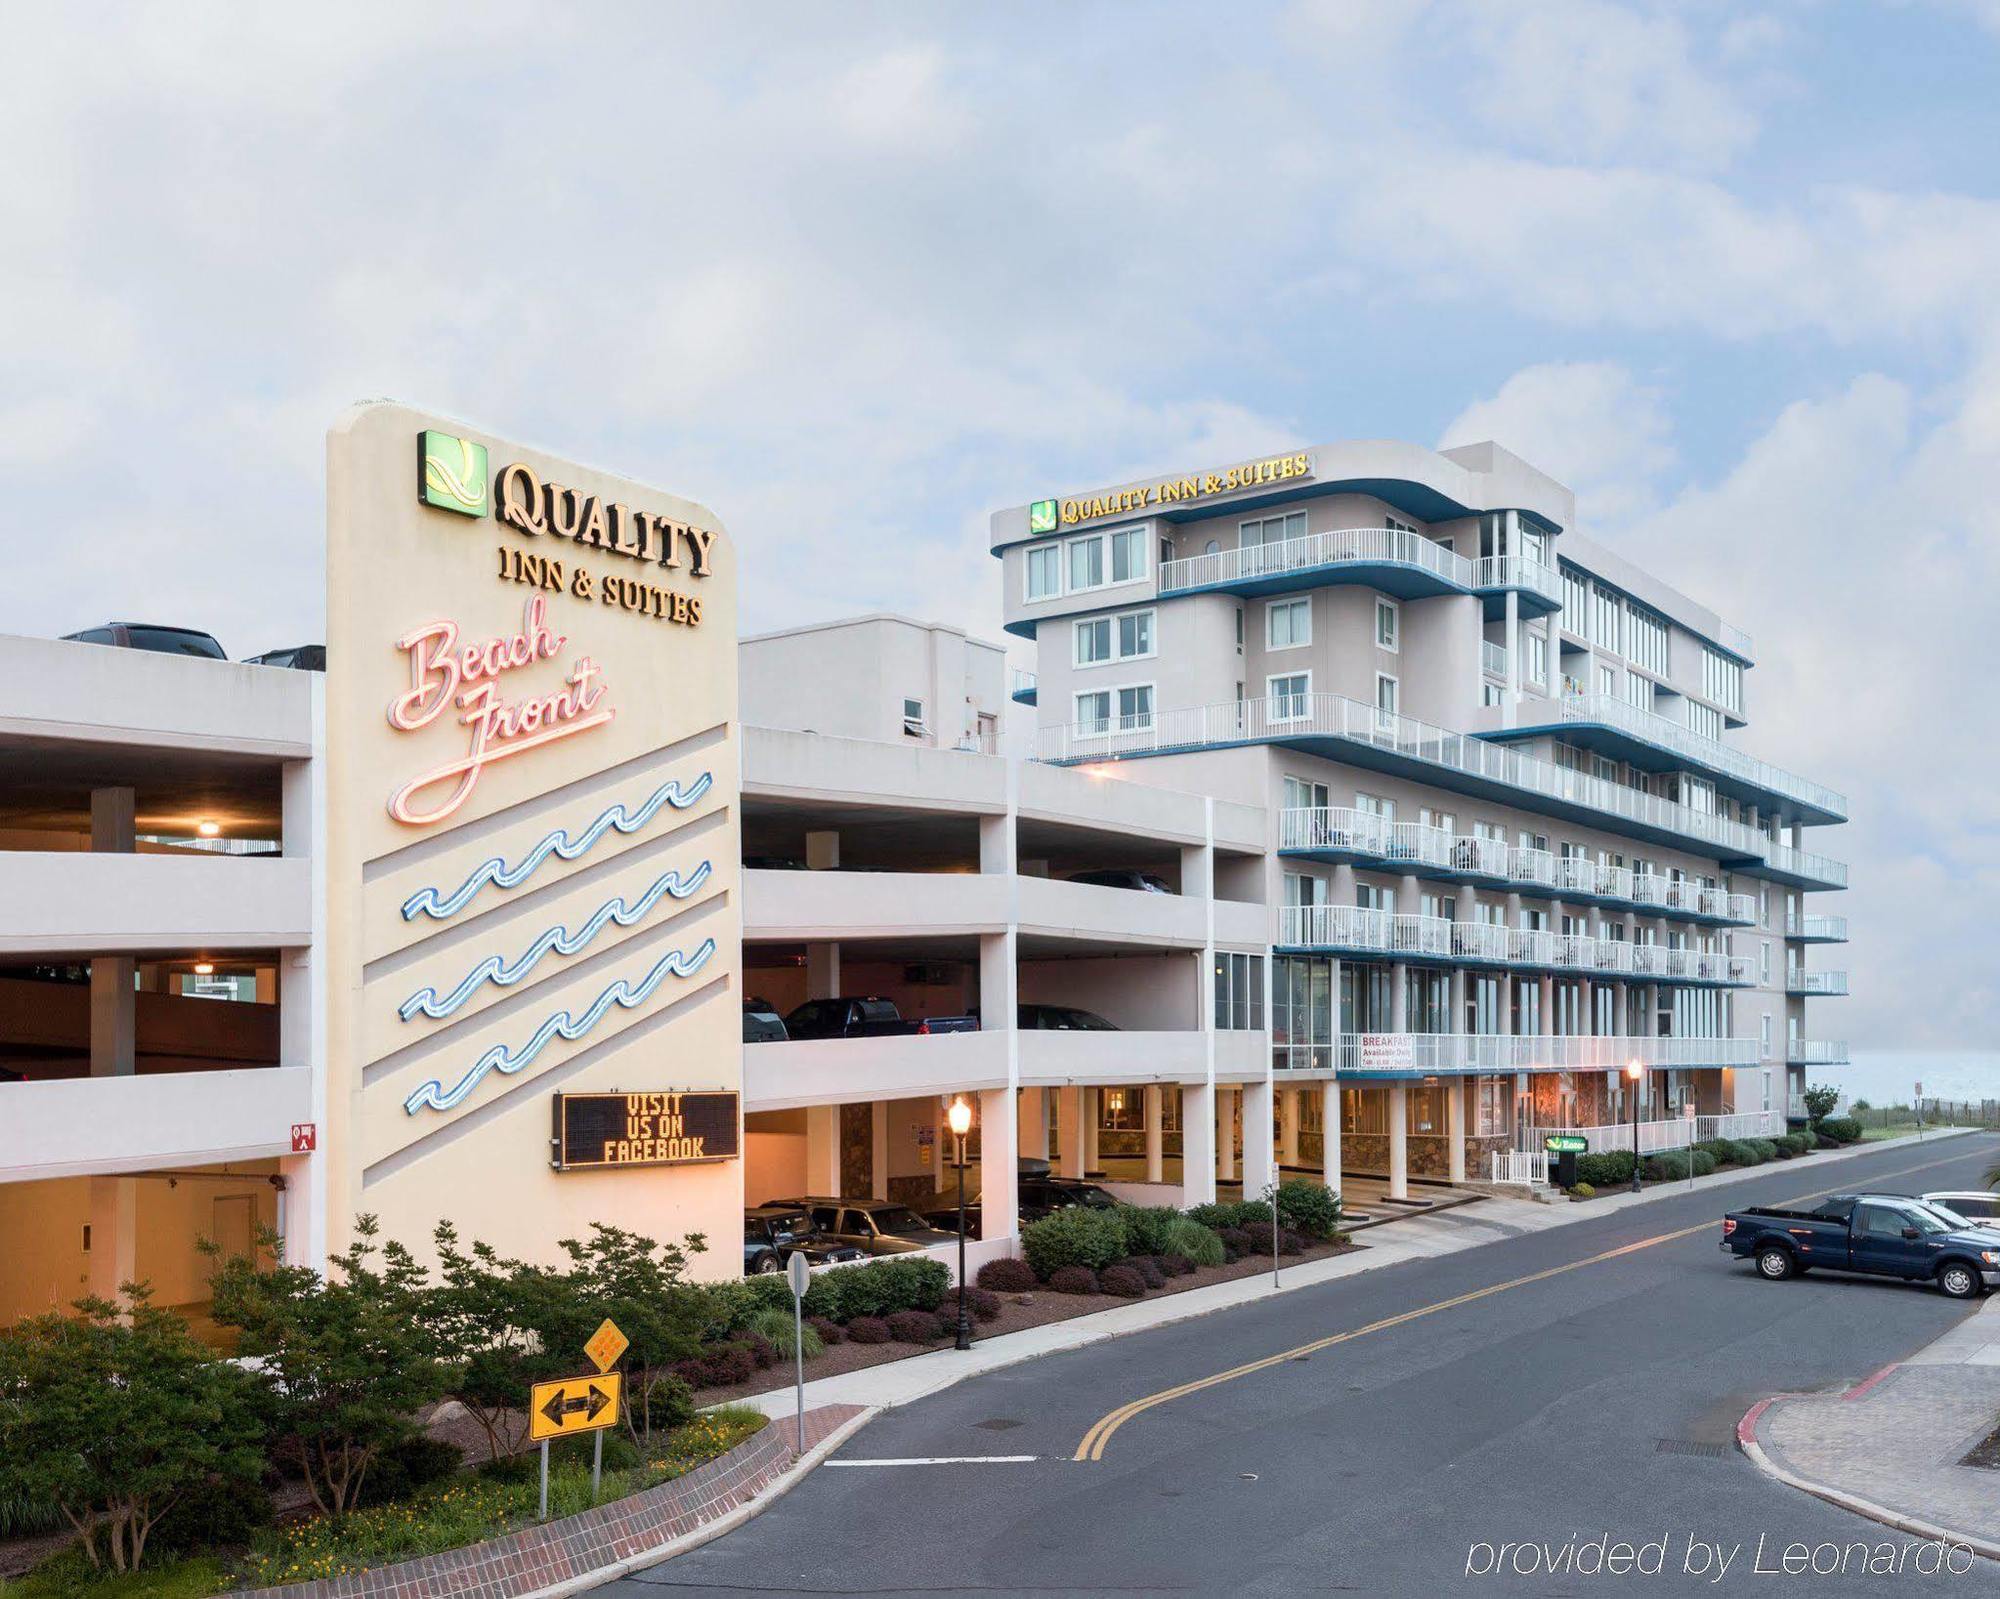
x=1374 y=897
x=1128 y=554
x=1395 y=524
x=1363 y=1114
x=1086 y=563
x=1044 y=571
x=1604 y=616
x=1764 y=961
x=1704 y=719
x=1375 y=805
x=913 y=719
x=1492 y=1106
x=1576 y=601
x=1290 y=696
x=1239 y=993
x=1491 y=693
x=1239 y=630
x=1764 y=1035
x=1387 y=694
x=1388 y=624
x=1721 y=679
x=1287 y=624
x=1302 y=794
x=1645 y=639
x=1122 y=1110
x=1135 y=708
x=1638 y=692
x=1135 y=635
x=1272 y=529
x=1538 y=658
x=1093 y=641
x=1093 y=712
x=1607 y=680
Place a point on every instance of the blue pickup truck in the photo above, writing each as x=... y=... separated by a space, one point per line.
x=1883 y=1235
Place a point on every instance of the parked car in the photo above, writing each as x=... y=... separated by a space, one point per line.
x=762 y=1024
x=874 y=1226
x=1036 y=1197
x=150 y=636
x=1882 y=1235
x=1141 y=882
x=1981 y=1207
x=866 y=1017
x=772 y=1234
x=1060 y=1019
x=300 y=658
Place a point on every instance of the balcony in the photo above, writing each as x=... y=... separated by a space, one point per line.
x=81 y=903
x=1816 y=1052
x=1604 y=721
x=1022 y=691
x=1802 y=982
x=1387 y=1056
x=1353 y=931
x=1798 y=868
x=1339 y=833
x=1493 y=660
x=1816 y=929
x=1394 y=560
x=73 y=1126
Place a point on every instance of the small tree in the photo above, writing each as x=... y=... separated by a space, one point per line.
x=348 y=1355
x=482 y=1317
x=117 y=1412
x=1820 y=1100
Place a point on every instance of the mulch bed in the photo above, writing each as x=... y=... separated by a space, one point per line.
x=1985 y=1453
x=1018 y=1312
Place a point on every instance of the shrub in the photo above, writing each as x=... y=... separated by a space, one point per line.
x=761 y=1349
x=1704 y=1163
x=1671 y=1166
x=1189 y=1240
x=1310 y=1208
x=728 y=1366
x=1007 y=1276
x=1146 y=1227
x=1606 y=1170
x=880 y=1288
x=1235 y=1242
x=1149 y=1273
x=409 y=1466
x=1765 y=1147
x=777 y=1328
x=1073 y=1280
x=1826 y=1142
x=1738 y=1153
x=1841 y=1129
x=1122 y=1281
x=1177 y=1265
x=1583 y=1191
x=1252 y=1210
x=868 y=1330
x=914 y=1326
x=219 y=1514
x=1258 y=1234
x=1214 y=1216
x=981 y=1303
x=1820 y=1100
x=830 y=1332
x=1073 y=1237
x=672 y=1401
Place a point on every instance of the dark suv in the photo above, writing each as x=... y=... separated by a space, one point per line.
x=876 y=1226
x=772 y=1234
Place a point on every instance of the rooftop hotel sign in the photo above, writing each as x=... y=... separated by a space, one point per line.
x=1049 y=516
x=532 y=837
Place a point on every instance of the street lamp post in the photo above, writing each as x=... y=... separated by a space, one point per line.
x=959 y=1118
x=1635 y=1074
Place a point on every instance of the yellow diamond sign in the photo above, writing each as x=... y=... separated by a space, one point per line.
x=606 y=1345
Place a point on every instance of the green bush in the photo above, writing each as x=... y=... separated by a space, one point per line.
x=780 y=1328
x=1074 y=1237
x=1606 y=1170
x=1765 y=1147
x=1215 y=1216
x=1740 y=1153
x=880 y=1288
x=1583 y=1191
x=1146 y=1227
x=1841 y=1129
x=1309 y=1207
x=1671 y=1166
x=1704 y=1163
x=1192 y=1241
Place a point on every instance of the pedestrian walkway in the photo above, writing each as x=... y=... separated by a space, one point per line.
x=1891 y=1447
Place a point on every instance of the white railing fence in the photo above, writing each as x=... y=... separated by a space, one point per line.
x=1664 y=733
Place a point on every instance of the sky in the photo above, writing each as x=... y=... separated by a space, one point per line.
x=856 y=275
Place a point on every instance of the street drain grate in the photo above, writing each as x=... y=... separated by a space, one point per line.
x=1688 y=1446
x=996 y=1424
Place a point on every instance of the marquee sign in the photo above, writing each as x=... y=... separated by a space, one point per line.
x=593 y=1131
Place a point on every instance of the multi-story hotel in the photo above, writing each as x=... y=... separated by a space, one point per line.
x=1361 y=819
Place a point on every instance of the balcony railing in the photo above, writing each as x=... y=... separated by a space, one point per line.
x=1674 y=1132
x=1427 y=1054
x=1334 y=716
x=1816 y=1052
x=1518 y=572
x=1821 y=929
x=1407 y=936
x=1357 y=546
x=1802 y=982
x=1493 y=660
x=1022 y=686
x=1801 y=863
x=1716 y=756
x=1412 y=846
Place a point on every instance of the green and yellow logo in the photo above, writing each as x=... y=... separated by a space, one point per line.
x=1042 y=517
x=453 y=473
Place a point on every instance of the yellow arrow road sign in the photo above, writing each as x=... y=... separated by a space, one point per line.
x=573 y=1404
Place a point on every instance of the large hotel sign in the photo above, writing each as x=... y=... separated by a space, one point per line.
x=1050 y=516
x=532 y=840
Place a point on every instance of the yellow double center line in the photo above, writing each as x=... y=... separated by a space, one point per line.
x=1092 y=1446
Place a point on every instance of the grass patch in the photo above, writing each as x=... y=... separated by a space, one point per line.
x=469 y=1509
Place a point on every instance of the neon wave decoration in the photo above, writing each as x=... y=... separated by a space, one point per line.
x=506 y=1061
x=428 y=902
x=502 y=973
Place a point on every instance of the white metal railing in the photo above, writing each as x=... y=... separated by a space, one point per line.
x=1335 y=716
x=1816 y=1052
x=1804 y=982
x=1518 y=572
x=1801 y=863
x=1023 y=681
x=1493 y=660
x=1675 y=1132
x=1331 y=547
x=1423 y=1054
x=1736 y=641
x=1664 y=733
x=1795 y=1107
x=1833 y=929
x=1527 y=1167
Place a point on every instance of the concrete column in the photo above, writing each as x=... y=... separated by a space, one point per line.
x=1288 y=1110
x=1329 y=1120
x=999 y=1178
x=1399 y=1141
x=1225 y=1134
x=1513 y=656
x=878 y=1157
x=114 y=1235
x=1257 y=1138
x=823 y=851
x=1343 y=883
x=823 y=971
x=1399 y=997
x=1197 y=1144
x=1458 y=1023
x=1093 y=1115
x=822 y=1151
x=996 y=844
x=1034 y=1120
x=1547 y=983
x=1454 y=1127
x=1156 y=1162
x=1072 y=1131
x=113 y=1008
x=310 y=1190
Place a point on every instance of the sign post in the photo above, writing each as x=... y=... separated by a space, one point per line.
x=798 y=1272
x=571 y=1405
x=604 y=1347
x=1687 y=1111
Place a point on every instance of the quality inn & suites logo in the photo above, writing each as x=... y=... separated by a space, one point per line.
x=1042 y=517
x=453 y=473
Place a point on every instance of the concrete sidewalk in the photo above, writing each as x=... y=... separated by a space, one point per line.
x=1889 y=1448
x=1418 y=1237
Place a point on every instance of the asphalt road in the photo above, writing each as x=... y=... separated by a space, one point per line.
x=1600 y=1399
